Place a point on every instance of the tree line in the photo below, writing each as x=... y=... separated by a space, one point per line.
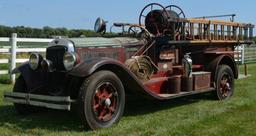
x=45 y=32
x=49 y=32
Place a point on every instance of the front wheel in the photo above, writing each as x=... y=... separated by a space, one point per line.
x=101 y=100
x=224 y=82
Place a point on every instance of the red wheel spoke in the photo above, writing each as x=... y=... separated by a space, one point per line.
x=102 y=114
x=105 y=92
x=96 y=106
x=107 y=116
x=98 y=94
x=110 y=95
x=111 y=109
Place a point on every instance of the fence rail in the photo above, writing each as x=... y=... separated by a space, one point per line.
x=12 y=50
x=24 y=50
x=33 y=40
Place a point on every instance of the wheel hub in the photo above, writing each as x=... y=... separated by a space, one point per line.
x=107 y=102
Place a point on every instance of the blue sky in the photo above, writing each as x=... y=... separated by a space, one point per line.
x=82 y=13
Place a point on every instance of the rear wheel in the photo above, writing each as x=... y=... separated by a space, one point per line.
x=102 y=100
x=21 y=87
x=224 y=82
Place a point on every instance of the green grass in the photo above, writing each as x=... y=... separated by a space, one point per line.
x=193 y=116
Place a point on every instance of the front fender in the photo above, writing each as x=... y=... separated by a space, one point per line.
x=87 y=67
x=33 y=79
x=20 y=68
x=130 y=81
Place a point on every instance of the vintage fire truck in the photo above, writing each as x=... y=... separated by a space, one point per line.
x=165 y=56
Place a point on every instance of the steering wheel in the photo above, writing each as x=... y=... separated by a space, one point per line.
x=144 y=33
x=132 y=30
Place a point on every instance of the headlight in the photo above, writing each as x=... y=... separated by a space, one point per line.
x=34 y=61
x=69 y=60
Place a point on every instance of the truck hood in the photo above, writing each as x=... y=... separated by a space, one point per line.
x=103 y=42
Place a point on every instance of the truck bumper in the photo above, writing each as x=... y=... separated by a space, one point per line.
x=52 y=102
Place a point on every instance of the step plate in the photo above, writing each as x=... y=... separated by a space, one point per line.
x=181 y=94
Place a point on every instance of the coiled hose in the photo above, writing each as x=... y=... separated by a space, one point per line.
x=142 y=67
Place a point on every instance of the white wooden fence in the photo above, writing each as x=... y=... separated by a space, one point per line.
x=250 y=54
x=239 y=54
x=245 y=54
x=13 y=50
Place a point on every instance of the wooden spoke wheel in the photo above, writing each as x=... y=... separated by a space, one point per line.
x=101 y=100
x=224 y=82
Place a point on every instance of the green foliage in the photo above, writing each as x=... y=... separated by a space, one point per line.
x=45 y=32
x=197 y=115
x=5 y=79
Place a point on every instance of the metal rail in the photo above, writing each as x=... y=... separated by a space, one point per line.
x=53 y=102
x=218 y=16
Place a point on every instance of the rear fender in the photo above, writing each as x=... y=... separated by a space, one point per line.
x=221 y=60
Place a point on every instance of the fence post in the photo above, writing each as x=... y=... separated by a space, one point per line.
x=242 y=54
x=13 y=41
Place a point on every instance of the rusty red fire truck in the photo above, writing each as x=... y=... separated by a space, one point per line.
x=164 y=56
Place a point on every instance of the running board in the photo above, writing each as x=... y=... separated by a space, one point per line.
x=52 y=102
x=182 y=94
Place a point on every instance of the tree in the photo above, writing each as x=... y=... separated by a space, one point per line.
x=45 y=32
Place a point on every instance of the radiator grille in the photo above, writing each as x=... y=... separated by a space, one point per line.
x=55 y=54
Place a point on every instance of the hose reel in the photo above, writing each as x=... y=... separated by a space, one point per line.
x=160 y=20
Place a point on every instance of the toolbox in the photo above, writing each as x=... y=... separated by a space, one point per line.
x=202 y=80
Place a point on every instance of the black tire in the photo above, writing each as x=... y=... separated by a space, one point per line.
x=21 y=87
x=224 y=83
x=96 y=109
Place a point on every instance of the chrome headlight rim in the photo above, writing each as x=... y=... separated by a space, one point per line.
x=34 y=61
x=69 y=60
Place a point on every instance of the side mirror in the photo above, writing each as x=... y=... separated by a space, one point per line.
x=100 y=26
